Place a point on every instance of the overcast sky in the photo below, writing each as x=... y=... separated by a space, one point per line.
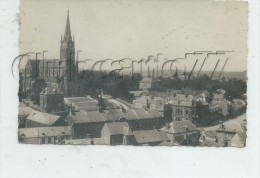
x=118 y=29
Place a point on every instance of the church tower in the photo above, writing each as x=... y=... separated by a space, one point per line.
x=67 y=54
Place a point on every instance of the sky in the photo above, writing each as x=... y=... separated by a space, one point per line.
x=136 y=29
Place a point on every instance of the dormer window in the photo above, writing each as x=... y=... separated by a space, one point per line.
x=186 y=128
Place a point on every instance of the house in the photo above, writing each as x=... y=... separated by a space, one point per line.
x=182 y=132
x=117 y=133
x=23 y=112
x=41 y=119
x=81 y=103
x=92 y=122
x=44 y=135
x=149 y=102
x=51 y=99
x=86 y=141
x=150 y=137
x=228 y=130
x=209 y=138
x=145 y=83
x=222 y=106
x=183 y=107
x=239 y=140
x=188 y=107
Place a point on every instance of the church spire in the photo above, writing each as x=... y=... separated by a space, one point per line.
x=67 y=35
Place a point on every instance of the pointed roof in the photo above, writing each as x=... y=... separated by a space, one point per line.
x=67 y=35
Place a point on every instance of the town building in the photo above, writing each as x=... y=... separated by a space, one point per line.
x=231 y=133
x=117 y=133
x=91 y=122
x=228 y=130
x=27 y=75
x=239 y=140
x=86 y=141
x=81 y=103
x=51 y=99
x=23 y=112
x=149 y=102
x=44 y=135
x=60 y=72
x=182 y=132
x=150 y=137
x=181 y=107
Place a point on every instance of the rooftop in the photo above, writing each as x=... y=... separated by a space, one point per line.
x=233 y=126
x=179 y=127
x=113 y=115
x=118 y=128
x=24 y=111
x=150 y=136
x=82 y=103
x=43 y=132
x=44 y=118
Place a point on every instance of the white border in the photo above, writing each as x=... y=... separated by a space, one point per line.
x=107 y=161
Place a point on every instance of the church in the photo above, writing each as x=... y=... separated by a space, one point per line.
x=60 y=73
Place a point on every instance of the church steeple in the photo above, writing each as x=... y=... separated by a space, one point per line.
x=67 y=54
x=67 y=35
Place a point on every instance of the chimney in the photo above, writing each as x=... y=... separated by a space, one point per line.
x=167 y=126
x=221 y=126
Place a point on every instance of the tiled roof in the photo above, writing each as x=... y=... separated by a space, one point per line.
x=179 y=127
x=118 y=128
x=210 y=133
x=232 y=126
x=149 y=136
x=25 y=111
x=242 y=136
x=113 y=115
x=44 y=118
x=82 y=103
x=43 y=132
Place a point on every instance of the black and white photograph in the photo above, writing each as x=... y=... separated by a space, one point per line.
x=114 y=79
x=119 y=88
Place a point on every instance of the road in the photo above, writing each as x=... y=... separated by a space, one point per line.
x=238 y=119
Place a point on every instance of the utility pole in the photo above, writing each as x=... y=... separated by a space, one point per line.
x=36 y=63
